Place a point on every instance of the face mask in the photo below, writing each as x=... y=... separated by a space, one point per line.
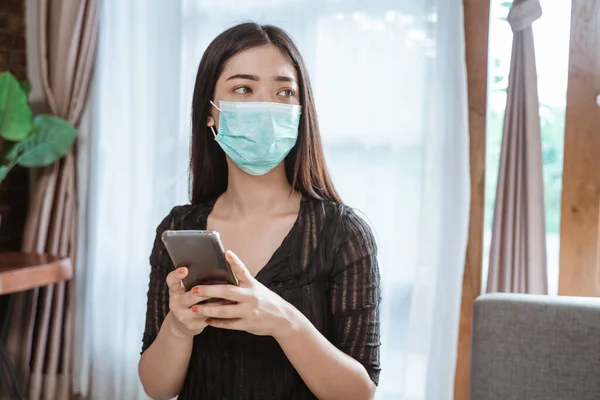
x=257 y=136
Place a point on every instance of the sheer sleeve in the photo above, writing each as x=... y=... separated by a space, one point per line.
x=355 y=294
x=157 y=305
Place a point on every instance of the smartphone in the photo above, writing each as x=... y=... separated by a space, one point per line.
x=203 y=254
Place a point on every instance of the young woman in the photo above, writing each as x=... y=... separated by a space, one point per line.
x=303 y=323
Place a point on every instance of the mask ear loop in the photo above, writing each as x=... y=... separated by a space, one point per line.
x=211 y=128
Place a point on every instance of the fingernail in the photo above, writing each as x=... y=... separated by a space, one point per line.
x=195 y=290
x=181 y=271
x=195 y=308
x=229 y=255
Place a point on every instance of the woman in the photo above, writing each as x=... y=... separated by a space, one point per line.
x=303 y=322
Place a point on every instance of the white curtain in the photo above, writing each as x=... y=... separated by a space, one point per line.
x=389 y=80
x=136 y=153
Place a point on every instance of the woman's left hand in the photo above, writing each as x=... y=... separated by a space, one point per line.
x=255 y=308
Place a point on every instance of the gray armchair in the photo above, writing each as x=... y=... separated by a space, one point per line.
x=527 y=347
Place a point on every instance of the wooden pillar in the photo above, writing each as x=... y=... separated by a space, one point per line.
x=580 y=210
x=476 y=20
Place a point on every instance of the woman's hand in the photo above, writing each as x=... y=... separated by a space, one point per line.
x=256 y=309
x=185 y=322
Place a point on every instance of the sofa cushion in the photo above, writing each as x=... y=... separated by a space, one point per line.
x=529 y=347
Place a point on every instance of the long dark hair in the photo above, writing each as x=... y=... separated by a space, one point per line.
x=305 y=165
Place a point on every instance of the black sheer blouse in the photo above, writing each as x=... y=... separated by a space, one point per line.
x=326 y=267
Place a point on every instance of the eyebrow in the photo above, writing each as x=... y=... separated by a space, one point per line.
x=279 y=78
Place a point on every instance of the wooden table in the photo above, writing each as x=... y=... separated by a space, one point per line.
x=20 y=272
x=23 y=271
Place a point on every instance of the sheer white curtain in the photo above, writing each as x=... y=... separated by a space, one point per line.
x=136 y=154
x=390 y=86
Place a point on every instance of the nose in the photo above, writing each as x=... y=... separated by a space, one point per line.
x=264 y=94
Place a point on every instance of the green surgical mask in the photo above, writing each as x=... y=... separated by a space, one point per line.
x=257 y=136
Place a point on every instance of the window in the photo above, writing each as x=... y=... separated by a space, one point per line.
x=371 y=66
x=551 y=35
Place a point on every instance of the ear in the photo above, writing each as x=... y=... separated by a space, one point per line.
x=210 y=121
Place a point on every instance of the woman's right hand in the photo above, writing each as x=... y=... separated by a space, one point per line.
x=185 y=322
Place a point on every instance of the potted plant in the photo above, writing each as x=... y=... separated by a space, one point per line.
x=25 y=140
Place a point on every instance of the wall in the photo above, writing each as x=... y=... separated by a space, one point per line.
x=12 y=38
x=15 y=188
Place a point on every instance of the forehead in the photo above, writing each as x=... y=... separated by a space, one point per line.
x=265 y=60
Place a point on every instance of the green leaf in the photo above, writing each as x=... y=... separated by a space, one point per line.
x=9 y=152
x=15 y=114
x=8 y=159
x=50 y=139
x=3 y=171
x=26 y=86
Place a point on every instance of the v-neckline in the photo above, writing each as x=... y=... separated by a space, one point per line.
x=276 y=254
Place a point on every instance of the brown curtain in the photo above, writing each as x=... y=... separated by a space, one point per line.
x=41 y=332
x=518 y=249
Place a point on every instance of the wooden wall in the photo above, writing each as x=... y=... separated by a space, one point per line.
x=580 y=225
x=476 y=20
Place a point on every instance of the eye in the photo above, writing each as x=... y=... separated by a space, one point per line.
x=243 y=90
x=286 y=93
